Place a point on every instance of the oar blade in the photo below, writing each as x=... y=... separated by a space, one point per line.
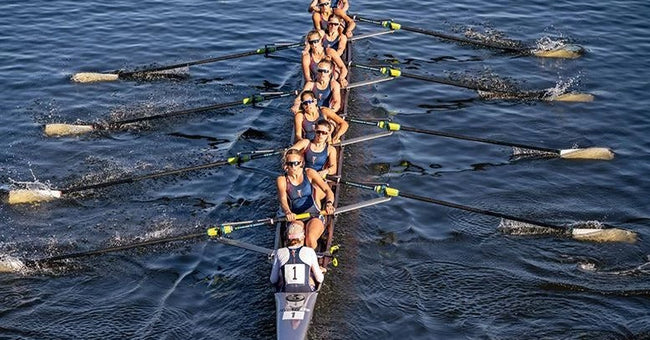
x=24 y=196
x=588 y=153
x=572 y=97
x=10 y=264
x=604 y=235
x=563 y=52
x=92 y=77
x=57 y=130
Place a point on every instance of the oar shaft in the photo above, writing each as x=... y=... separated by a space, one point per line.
x=248 y=100
x=229 y=161
x=118 y=248
x=477 y=139
x=396 y=73
x=393 y=25
x=478 y=211
x=264 y=50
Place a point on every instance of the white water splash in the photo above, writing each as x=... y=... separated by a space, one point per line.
x=520 y=228
x=9 y=264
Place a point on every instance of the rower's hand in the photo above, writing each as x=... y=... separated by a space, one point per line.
x=336 y=140
x=329 y=208
x=290 y=217
x=323 y=173
x=343 y=82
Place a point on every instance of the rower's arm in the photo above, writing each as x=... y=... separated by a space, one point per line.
x=306 y=73
x=343 y=71
x=300 y=145
x=332 y=158
x=335 y=102
x=297 y=125
x=340 y=122
x=315 y=178
x=282 y=195
x=343 y=42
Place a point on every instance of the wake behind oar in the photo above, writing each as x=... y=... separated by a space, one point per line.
x=63 y=129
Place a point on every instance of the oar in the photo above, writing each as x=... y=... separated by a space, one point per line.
x=229 y=227
x=582 y=234
x=216 y=233
x=62 y=129
x=569 y=51
x=22 y=196
x=483 y=91
x=87 y=77
x=574 y=153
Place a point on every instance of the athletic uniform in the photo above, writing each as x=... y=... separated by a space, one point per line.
x=324 y=96
x=301 y=196
x=315 y=160
x=309 y=126
x=333 y=44
x=293 y=265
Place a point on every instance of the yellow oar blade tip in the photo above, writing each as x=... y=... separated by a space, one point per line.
x=604 y=235
x=91 y=77
x=55 y=130
x=605 y=154
x=573 y=97
x=23 y=196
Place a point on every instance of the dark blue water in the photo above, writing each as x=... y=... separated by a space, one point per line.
x=408 y=269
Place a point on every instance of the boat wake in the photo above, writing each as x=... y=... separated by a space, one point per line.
x=9 y=264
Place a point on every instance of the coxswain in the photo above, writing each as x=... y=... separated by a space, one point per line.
x=302 y=190
x=318 y=153
x=306 y=118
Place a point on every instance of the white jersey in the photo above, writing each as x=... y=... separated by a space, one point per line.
x=307 y=255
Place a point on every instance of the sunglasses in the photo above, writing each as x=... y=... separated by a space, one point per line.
x=323 y=70
x=322 y=132
x=292 y=163
x=307 y=102
x=324 y=4
x=333 y=23
x=314 y=42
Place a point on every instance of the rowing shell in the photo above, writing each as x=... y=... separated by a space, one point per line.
x=294 y=311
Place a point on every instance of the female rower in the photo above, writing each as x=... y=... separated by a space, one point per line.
x=322 y=10
x=334 y=37
x=318 y=153
x=302 y=190
x=305 y=120
x=314 y=53
x=326 y=89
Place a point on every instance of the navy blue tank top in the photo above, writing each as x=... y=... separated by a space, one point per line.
x=332 y=44
x=323 y=96
x=309 y=126
x=315 y=160
x=300 y=196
